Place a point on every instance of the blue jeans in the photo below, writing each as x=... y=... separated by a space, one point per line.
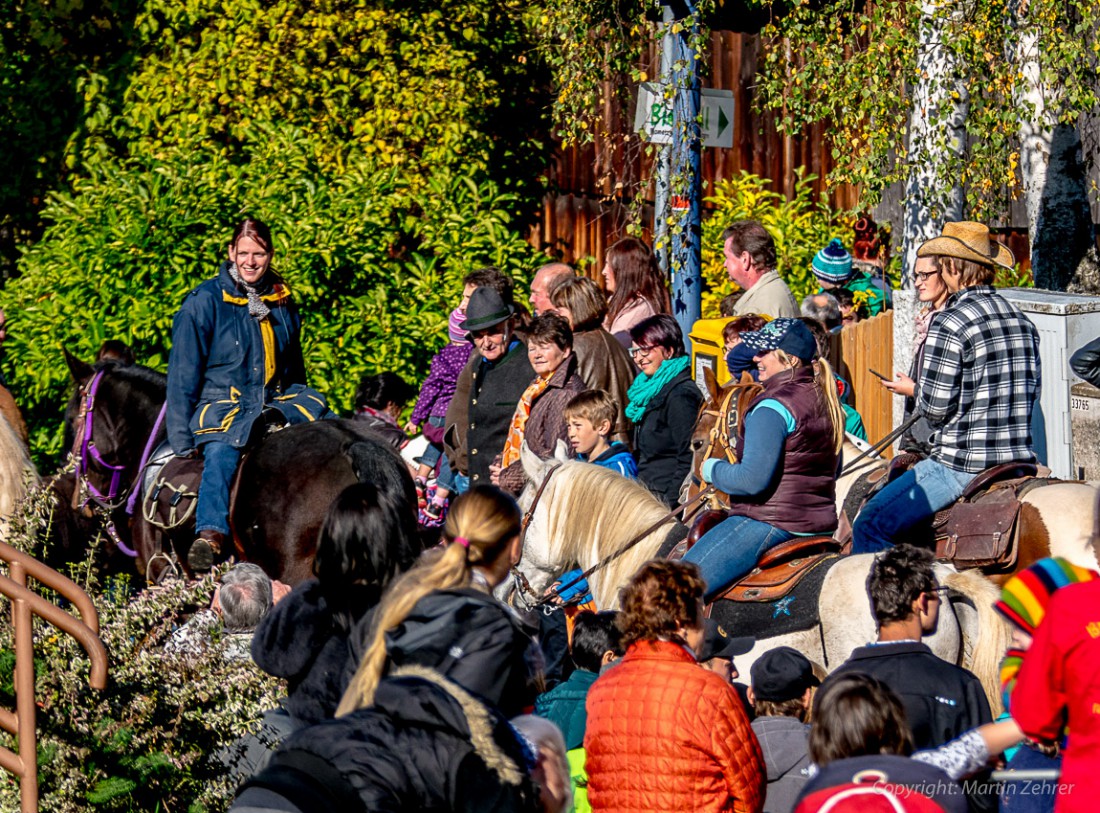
x=445 y=478
x=433 y=451
x=219 y=464
x=730 y=550
x=912 y=498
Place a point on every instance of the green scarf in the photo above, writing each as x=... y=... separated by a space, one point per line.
x=643 y=389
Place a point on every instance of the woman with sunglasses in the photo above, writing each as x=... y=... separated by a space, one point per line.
x=664 y=403
x=932 y=294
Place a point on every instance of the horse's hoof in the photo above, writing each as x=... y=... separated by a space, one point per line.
x=200 y=558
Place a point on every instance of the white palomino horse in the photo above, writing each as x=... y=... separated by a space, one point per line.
x=17 y=473
x=586 y=514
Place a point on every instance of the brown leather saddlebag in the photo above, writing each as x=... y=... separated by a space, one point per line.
x=980 y=532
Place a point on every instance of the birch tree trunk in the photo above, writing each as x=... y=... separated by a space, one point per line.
x=1051 y=170
x=937 y=139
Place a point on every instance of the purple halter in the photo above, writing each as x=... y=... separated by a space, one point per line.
x=89 y=453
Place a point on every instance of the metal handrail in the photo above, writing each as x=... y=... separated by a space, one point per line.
x=85 y=629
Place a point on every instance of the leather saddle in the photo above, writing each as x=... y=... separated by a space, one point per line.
x=779 y=569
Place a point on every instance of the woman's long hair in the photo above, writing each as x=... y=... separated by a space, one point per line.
x=826 y=382
x=479 y=527
x=366 y=539
x=637 y=275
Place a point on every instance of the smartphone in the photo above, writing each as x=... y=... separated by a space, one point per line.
x=878 y=375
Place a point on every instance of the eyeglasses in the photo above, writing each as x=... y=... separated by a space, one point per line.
x=642 y=351
x=924 y=276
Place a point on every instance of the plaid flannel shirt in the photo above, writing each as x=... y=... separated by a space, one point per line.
x=979 y=381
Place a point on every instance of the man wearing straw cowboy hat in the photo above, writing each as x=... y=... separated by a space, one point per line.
x=977 y=387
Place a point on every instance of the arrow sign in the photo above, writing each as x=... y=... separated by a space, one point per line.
x=653 y=116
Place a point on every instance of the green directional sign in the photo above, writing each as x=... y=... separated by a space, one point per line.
x=653 y=116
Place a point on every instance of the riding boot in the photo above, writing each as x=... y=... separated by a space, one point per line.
x=204 y=550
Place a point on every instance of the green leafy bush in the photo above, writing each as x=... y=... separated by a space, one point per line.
x=801 y=226
x=391 y=149
x=150 y=740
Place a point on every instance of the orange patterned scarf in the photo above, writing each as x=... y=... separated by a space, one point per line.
x=518 y=428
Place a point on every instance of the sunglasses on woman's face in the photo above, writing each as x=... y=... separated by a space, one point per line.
x=641 y=351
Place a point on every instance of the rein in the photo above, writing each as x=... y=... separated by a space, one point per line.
x=524 y=586
x=882 y=444
x=90 y=454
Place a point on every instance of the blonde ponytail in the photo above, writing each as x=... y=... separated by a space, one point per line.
x=823 y=374
x=479 y=527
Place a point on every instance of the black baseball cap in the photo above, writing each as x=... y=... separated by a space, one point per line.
x=782 y=674
x=717 y=643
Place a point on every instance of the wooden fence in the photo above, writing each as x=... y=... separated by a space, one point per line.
x=854 y=352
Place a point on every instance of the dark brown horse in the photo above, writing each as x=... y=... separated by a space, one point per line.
x=285 y=484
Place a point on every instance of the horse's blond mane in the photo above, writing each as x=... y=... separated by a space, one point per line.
x=17 y=472
x=595 y=512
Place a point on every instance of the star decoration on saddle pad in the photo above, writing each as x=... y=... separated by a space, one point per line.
x=783 y=606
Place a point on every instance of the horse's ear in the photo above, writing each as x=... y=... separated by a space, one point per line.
x=746 y=378
x=533 y=465
x=79 y=370
x=561 y=451
x=711 y=381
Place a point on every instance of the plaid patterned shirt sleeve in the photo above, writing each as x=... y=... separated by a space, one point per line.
x=979 y=381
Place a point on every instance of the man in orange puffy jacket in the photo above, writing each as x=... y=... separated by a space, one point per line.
x=663 y=733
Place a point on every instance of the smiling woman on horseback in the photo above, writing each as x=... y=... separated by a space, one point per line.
x=784 y=485
x=236 y=350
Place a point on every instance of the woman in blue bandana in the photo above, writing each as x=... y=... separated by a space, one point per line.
x=784 y=484
x=236 y=350
x=664 y=403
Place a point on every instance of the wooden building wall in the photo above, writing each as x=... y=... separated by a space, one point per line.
x=585 y=214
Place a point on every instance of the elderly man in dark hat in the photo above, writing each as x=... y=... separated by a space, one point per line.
x=501 y=372
x=977 y=387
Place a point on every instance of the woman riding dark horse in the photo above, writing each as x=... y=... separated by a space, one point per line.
x=236 y=350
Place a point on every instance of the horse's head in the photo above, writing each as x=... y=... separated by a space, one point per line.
x=116 y=408
x=717 y=425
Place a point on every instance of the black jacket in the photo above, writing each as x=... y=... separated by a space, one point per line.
x=470 y=638
x=303 y=640
x=1086 y=362
x=494 y=392
x=425 y=744
x=662 y=439
x=942 y=701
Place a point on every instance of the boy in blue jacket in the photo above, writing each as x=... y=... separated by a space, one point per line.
x=589 y=418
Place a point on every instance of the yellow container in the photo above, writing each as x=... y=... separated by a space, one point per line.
x=708 y=350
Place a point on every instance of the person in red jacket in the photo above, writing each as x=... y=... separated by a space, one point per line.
x=1059 y=684
x=663 y=733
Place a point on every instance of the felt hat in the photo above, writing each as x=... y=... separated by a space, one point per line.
x=717 y=643
x=967 y=240
x=454 y=326
x=786 y=334
x=485 y=309
x=833 y=263
x=1024 y=597
x=782 y=674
